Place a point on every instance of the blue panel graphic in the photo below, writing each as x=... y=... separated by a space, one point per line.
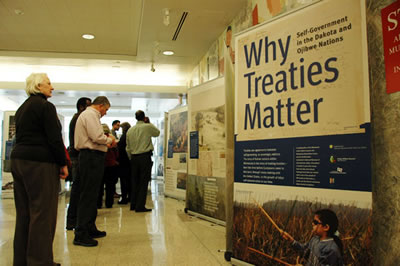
x=170 y=148
x=334 y=161
x=194 y=145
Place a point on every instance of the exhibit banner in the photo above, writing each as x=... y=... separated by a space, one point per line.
x=205 y=192
x=176 y=161
x=7 y=182
x=302 y=136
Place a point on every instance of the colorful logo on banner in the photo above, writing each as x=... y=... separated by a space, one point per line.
x=391 y=45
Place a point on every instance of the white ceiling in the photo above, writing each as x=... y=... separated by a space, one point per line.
x=45 y=36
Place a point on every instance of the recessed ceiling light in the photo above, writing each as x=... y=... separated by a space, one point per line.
x=168 y=52
x=88 y=36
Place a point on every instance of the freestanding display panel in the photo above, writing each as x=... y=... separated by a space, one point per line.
x=302 y=133
x=205 y=192
x=176 y=155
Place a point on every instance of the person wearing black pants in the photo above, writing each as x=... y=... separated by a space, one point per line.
x=124 y=166
x=38 y=161
x=141 y=165
x=139 y=149
x=92 y=145
x=91 y=165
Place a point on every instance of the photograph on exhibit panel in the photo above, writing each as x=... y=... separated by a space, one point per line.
x=206 y=195
x=261 y=215
x=181 y=180
x=179 y=131
x=210 y=123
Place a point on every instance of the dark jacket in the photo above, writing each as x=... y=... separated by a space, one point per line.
x=72 y=152
x=123 y=157
x=38 y=132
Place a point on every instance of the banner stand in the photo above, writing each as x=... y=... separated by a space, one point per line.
x=204 y=217
x=176 y=153
x=240 y=262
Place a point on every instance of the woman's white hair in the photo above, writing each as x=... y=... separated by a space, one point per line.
x=33 y=81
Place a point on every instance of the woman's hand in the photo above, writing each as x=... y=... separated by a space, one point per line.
x=63 y=172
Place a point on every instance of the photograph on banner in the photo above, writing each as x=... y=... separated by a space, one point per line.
x=212 y=61
x=208 y=138
x=177 y=148
x=302 y=133
x=206 y=195
x=181 y=179
x=262 y=214
x=179 y=131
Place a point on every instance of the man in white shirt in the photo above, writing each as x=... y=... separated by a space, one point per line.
x=139 y=149
x=92 y=145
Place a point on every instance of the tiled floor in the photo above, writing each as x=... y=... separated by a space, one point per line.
x=165 y=236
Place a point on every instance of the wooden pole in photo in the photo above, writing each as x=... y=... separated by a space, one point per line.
x=270 y=257
x=269 y=217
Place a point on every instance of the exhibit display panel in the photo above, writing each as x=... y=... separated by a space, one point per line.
x=205 y=192
x=176 y=155
x=7 y=188
x=302 y=133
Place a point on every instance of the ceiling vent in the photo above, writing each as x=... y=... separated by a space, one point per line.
x=178 y=29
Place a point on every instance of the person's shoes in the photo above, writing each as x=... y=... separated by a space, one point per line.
x=144 y=210
x=108 y=206
x=85 y=241
x=123 y=201
x=56 y=264
x=97 y=234
x=70 y=227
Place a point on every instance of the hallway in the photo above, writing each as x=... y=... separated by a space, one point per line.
x=165 y=236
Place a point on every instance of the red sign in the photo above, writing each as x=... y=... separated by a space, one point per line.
x=391 y=45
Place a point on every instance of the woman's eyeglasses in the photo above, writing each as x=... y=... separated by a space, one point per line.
x=315 y=222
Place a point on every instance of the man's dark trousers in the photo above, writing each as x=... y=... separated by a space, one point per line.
x=74 y=196
x=91 y=170
x=141 y=174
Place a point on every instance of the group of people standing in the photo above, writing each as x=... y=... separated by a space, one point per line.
x=39 y=159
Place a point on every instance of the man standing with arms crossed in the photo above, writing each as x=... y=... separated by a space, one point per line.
x=92 y=145
x=140 y=149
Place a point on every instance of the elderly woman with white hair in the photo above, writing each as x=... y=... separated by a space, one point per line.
x=38 y=160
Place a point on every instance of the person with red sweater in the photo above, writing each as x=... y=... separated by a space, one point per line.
x=110 y=176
